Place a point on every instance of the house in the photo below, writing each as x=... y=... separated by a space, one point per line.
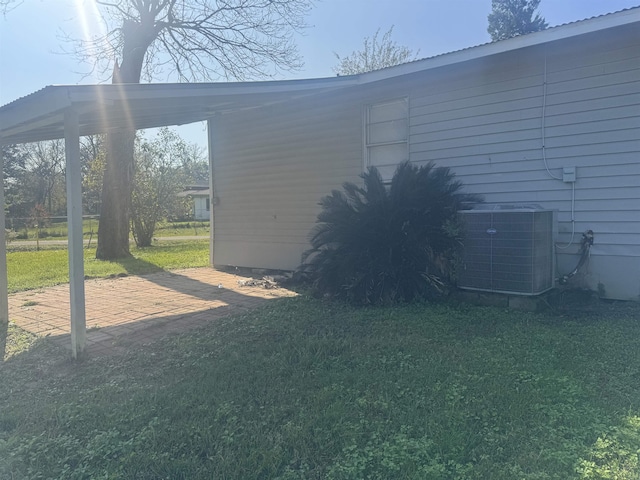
x=551 y=118
x=516 y=120
x=201 y=203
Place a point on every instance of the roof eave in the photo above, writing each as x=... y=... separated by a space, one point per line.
x=41 y=106
x=46 y=107
x=618 y=19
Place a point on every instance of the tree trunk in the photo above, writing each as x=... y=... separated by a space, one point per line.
x=113 y=229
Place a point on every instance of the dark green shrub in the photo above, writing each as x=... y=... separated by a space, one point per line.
x=381 y=244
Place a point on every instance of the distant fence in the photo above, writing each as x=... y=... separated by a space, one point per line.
x=54 y=228
x=27 y=228
x=15 y=224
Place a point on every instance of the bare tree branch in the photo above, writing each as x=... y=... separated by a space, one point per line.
x=7 y=5
x=375 y=54
x=196 y=40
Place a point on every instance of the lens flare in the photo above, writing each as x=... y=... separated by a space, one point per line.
x=90 y=23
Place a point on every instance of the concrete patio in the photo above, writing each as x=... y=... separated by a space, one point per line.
x=130 y=310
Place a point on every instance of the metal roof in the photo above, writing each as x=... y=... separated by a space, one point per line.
x=551 y=34
x=40 y=115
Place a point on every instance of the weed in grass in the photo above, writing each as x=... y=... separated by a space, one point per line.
x=615 y=453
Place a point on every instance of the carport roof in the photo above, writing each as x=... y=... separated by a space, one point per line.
x=40 y=115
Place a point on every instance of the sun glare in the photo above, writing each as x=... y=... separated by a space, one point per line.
x=92 y=27
x=88 y=18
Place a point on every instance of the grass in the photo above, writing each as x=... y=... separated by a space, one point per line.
x=29 y=269
x=305 y=389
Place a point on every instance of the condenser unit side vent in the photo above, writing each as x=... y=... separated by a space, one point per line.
x=508 y=251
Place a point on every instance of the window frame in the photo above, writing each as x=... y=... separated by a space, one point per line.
x=369 y=145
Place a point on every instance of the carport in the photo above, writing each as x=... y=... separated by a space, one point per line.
x=70 y=112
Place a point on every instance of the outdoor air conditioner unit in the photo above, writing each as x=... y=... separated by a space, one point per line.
x=508 y=249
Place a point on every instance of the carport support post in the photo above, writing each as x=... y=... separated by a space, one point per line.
x=211 y=192
x=74 y=219
x=4 y=289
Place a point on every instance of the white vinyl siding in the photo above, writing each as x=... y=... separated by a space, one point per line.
x=487 y=128
x=271 y=168
x=482 y=119
x=386 y=135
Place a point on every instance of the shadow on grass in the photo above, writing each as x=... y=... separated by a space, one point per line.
x=32 y=366
x=137 y=266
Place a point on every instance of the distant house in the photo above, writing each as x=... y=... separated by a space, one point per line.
x=201 y=200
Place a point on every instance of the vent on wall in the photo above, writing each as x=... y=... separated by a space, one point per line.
x=508 y=249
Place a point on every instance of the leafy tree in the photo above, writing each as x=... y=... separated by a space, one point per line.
x=195 y=165
x=146 y=209
x=39 y=218
x=34 y=174
x=375 y=54
x=14 y=165
x=162 y=170
x=375 y=244
x=43 y=179
x=46 y=164
x=509 y=18
x=93 y=160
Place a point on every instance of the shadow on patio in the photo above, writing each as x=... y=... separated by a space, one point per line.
x=127 y=310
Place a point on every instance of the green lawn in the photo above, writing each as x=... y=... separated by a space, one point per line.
x=28 y=269
x=305 y=389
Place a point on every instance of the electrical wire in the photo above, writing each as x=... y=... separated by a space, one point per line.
x=573 y=218
x=544 y=157
x=544 y=112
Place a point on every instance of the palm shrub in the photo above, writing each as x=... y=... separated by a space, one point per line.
x=380 y=244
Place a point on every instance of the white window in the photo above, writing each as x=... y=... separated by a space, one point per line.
x=386 y=136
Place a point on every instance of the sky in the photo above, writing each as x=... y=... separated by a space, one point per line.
x=32 y=45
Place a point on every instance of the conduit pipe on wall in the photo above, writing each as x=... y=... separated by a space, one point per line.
x=544 y=157
x=587 y=237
